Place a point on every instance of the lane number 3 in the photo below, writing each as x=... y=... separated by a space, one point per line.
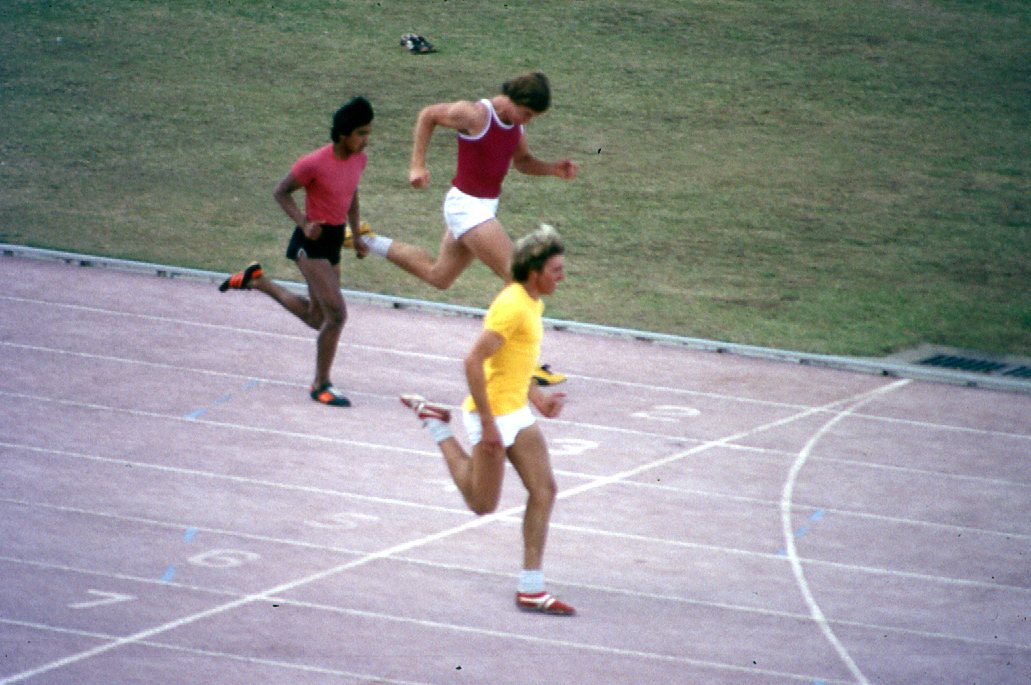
x=671 y=413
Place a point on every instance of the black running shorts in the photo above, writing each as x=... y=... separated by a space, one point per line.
x=326 y=246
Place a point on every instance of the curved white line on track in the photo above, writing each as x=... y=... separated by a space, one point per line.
x=404 y=547
x=787 y=494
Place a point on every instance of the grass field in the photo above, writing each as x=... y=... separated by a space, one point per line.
x=846 y=177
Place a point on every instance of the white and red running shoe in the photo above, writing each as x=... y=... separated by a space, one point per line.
x=544 y=603
x=425 y=409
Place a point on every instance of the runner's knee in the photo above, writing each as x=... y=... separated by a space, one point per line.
x=334 y=315
x=441 y=281
x=483 y=505
x=545 y=491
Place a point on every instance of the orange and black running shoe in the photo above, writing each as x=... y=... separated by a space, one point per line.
x=327 y=394
x=241 y=280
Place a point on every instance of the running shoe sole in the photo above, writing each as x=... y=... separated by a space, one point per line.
x=425 y=409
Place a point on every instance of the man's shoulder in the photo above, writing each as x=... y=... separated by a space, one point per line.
x=514 y=299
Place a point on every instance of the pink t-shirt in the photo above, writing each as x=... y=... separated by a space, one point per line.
x=484 y=158
x=329 y=183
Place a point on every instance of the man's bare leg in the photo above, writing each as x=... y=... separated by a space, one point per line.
x=478 y=477
x=324 y=287
x=301 y=307
x=529 y=456
x=487 y=242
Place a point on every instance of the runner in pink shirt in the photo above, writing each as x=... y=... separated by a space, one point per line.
x=329 y=177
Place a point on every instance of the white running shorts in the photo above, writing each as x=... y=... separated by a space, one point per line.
x=463 y=212
x=509 y=425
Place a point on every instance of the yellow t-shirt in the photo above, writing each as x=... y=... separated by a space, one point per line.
x=516 y=317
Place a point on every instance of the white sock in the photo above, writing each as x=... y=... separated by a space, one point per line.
x=438 y=429
x=531 y=581
x=378 y=244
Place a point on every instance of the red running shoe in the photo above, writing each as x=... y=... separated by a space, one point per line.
x=543 y=603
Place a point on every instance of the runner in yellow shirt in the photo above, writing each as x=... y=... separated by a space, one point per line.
x=497 y=416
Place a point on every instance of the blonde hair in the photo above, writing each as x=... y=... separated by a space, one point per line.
x=533 y=250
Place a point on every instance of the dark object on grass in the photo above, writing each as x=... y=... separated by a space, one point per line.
x=416 y=44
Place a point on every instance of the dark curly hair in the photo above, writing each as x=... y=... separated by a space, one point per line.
x=355 y=113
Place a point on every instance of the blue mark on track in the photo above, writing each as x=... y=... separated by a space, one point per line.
x=188 y=535
x=224 y=399
x=804 y=529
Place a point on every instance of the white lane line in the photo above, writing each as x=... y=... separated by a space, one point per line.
x=566 y=644
x=287 y=665
x=262 y=596
x=179 y=525
x=669 y=460
x=402 y=547
x=854 y=513
x=258 y=482
x=433 y=625
x=214 y=424
x=561 y=422
x=594 y=483
x=725 y=441
x=557 y=422
x=514 y=519
x=225 y=328
x=780 y=558
x=237 y=330
x=789 y=534
x=469 y=570
x=774 y=613
x=112 y=575
x=177 y=368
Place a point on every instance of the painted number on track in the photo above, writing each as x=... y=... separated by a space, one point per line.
x=571 y=447
x=102 y=599
x=224 y=558
x=671 y=413
x=344 y=520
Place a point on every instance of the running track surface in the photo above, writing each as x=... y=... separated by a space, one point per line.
x=175 y=509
